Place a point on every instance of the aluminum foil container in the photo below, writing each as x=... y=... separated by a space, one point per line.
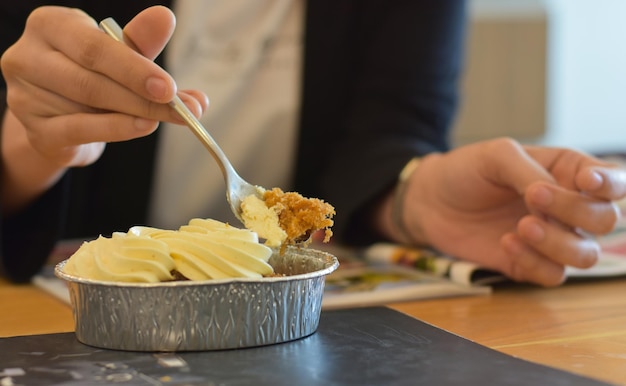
x=207 y=315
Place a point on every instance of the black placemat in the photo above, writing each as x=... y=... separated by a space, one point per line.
x=361 y=346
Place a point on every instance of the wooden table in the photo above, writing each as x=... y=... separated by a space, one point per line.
x=579 y=327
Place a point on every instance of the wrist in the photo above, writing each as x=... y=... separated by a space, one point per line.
x=391 y=216
x=398 y=202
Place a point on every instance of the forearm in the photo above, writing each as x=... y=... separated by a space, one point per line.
x=25 y=174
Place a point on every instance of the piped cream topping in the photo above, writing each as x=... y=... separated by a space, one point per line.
x=122 y=258
x=201 y=250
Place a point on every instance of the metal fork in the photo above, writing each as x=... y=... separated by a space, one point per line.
x=236 y=187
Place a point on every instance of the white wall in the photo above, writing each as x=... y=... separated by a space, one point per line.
x=587 y=74
x=586 y=69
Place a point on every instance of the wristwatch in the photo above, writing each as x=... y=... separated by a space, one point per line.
x=397 y=210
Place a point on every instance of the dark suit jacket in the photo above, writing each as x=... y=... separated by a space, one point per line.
x=379 y=87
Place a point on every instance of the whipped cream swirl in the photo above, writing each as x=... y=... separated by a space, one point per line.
x=201 y=250
x=122 y=258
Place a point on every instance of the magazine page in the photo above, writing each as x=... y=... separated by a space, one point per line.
x=379 y=284
x=427 y=260
x=361 y=281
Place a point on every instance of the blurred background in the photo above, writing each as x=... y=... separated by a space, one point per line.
x=546 y=71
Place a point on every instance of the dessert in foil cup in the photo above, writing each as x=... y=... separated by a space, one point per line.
x=204 y=315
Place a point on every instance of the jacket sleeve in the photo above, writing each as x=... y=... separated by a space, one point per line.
x=394 y=99
x=27 y=238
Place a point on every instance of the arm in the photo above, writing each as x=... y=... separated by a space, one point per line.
x=55 y=121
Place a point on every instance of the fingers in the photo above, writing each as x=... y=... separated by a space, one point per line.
x=150 y=29
x=196 y=101
x=101 y=73
x=506 y=163
x=112 y=127
x=578 y=171
x=199 y=97
x=54 y=131
x=605 y=182
x=577 y=197
x=571 y=208
x=86 y=88
x=541 y=249
x=80 y=39
x=74 y=89
x=77 y=129
x=526 y=265
x=562 y=245
x=94 y=89
x=549 y=240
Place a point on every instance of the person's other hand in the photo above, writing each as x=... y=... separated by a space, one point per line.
x=73 y=88
x=526 y=211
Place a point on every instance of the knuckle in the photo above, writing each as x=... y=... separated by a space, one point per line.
x=17 y=100
x=506 y=144
x=89 y=53
x=12 y=62
x=6 y=60
x=37 y=16
x=83 y=82
x=154 y=110
x=39 y=141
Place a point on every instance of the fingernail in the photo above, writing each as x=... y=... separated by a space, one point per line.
x=156 y=87
x=596 y=180
x=542 y=196
x=591 y=257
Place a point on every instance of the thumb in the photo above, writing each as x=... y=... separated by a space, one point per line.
x=150 y=30
x=508 y=164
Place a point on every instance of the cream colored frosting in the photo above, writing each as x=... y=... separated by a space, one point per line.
x=122 y=258
x=209 y=249
x=201 y=250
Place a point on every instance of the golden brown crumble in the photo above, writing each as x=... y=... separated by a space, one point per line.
x=300 y=217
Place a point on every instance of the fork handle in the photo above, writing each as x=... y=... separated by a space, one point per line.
x=111 y=28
